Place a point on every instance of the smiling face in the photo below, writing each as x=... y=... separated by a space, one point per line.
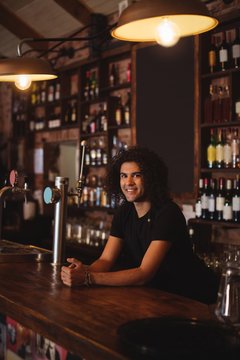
x=132 y=182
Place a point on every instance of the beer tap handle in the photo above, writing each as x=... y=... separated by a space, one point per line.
x=80 y=181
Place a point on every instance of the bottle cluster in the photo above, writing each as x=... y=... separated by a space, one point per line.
x=218 y=200
x=71 y=113
x=115 y=76
x=91 y=87
x=223 y=148
x=96 y=121
x=96 y=154
x=123 y=111
x=224 y=52
x=217 y=105
x=95 y=194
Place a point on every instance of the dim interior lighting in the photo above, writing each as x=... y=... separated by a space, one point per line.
x=167 y=33
x=23 y=70
x=139 y=21
x=23 y=82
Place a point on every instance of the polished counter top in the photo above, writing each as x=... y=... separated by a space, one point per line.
x=84 y=320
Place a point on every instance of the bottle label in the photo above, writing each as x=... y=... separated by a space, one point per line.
x=236 y=203
x=198 y=209
x=220 y=203
x=212 y=58
x=223 y=55
x=227 y=154
x=211 y=154
x=211 y=204
x=204 y=202
x=236 y=51
x=219 y=153
x=227 y=212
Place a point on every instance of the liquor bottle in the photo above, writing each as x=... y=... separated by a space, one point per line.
x=220 y=199
x=104 y=120
x=226 y=104
x=129 y=72
x=57 y=91
x=211 y=151
x=51 y=93
x=227 y=208
x=212 y=55
x=74 y=112
x=43 y=92
x=235 y=148
x=87 y=86
x=223 y=53
x=219 y=150
x=198 y=205
x=212 y=200
x=119 y=111
x=204 y=199
x=93 y=85
x=113 y=75
x=68 y=114
x=127 y=110
x=236 y=201
x=236 y=49
x=227 y=149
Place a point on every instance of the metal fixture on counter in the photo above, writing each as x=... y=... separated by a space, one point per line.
x=18 y=184
x=58 y=196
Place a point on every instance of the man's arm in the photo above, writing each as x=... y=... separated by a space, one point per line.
x=137 y=276
x=100 y=270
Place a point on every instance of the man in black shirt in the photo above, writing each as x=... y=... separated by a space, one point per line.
x=149 y=232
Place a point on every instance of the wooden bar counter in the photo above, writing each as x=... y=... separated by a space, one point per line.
x=83 y=320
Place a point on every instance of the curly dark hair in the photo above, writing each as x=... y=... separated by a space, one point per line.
x=153 y=168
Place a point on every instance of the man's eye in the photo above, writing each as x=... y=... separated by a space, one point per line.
x=122 y=176
x=137 y=175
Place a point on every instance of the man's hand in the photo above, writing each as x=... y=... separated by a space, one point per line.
x=74 y=274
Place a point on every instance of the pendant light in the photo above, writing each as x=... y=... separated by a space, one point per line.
x=22 y=71
x=164 y=21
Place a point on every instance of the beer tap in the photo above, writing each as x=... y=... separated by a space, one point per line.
x=18 y=184
x=58 y=196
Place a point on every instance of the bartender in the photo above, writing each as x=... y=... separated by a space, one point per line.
x=149 y=234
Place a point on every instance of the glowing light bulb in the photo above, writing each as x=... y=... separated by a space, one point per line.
x=167 y=33
x=23 y=82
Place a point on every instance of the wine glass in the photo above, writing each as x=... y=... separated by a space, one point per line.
x=228 y=302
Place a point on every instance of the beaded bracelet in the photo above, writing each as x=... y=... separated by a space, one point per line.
x=87 y=279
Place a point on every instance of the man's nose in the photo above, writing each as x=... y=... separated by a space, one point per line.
x=129 y=180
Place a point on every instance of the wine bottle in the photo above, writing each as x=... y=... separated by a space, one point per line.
x=227 y=149
x=212 y=200
x=227 y=207
x=211 y=151
x=236 y=49
x=235 y=148
x=198 y=205
x=127 y=110
x=220 y=199
x=119 y=111
x=236 y=201
x=223 y=53
x=219 y=150
x=212 y=55
x=113 y=75
x=204 y=199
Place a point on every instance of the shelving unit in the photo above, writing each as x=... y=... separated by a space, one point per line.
x=81 y=104
x=219 y=92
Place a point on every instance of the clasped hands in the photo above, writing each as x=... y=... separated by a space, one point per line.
x=74 y=274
